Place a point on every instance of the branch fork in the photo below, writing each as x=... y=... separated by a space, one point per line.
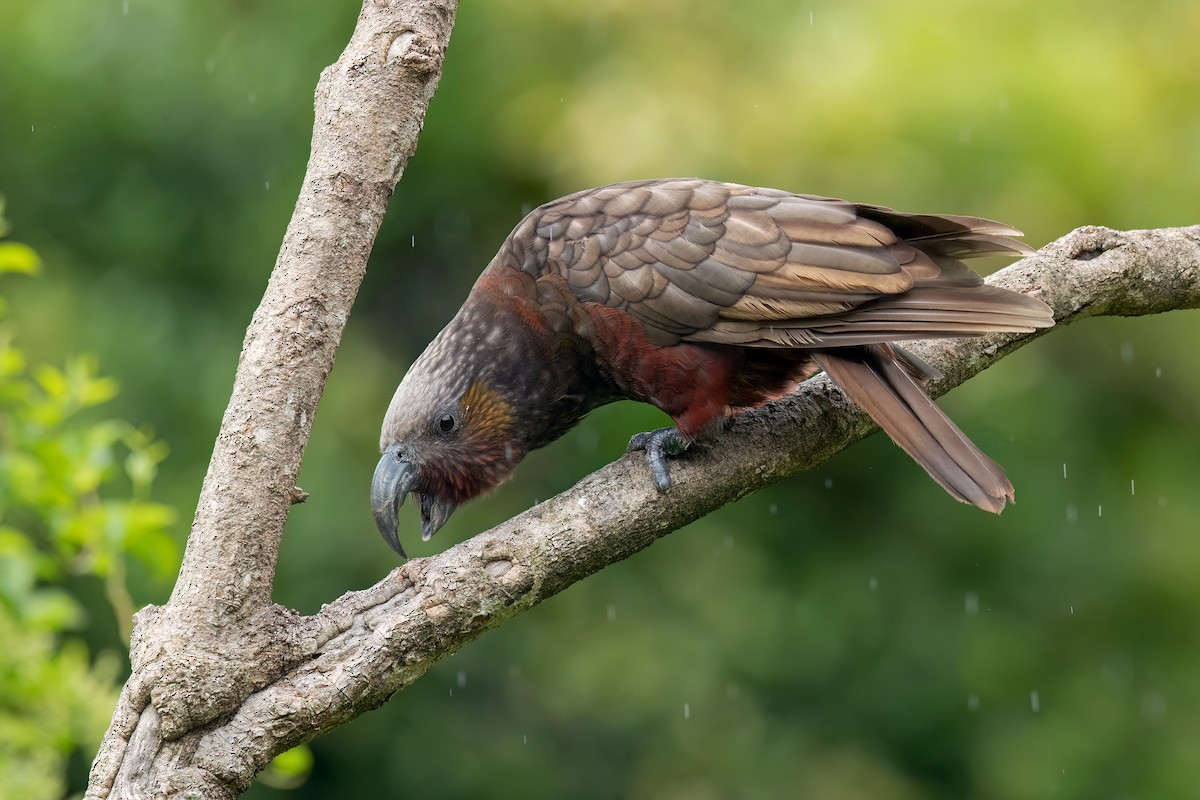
x=224 y=679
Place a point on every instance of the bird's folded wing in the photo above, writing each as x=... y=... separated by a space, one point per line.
x=705 y=261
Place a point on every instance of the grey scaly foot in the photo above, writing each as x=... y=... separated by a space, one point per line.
x=659 y=446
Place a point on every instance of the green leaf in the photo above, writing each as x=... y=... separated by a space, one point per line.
x=54 y=610
x=17 y=570
x=52 y=380
x=86 y=388
x=12 y=363
x=145 y=455
x=289 y=769
x=148 y=537
x=17 y=257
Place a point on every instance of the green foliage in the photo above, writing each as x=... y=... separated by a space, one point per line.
x=60 y=520
x=847 y=634
x=289 y=769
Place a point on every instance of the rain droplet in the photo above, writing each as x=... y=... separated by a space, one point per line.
x=1072 y=514
x=125 y=7
x=1035 y=703
x=972 y=702
x=773 y=509
x=829 y=483
x=1158 y=372
x=462 y=679
x=413 y=241
x=1127 y=352
x=971 y=602
x=810 y=18
x=610 y=613
x=1064 y=470
x=873 y=583
x=267 y=185
x=1099 y=511
x=524 y=738
x=687 y=711
x=1131 y=491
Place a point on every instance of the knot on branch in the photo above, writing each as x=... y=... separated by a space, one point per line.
x=1090 y=241
x=415 y=53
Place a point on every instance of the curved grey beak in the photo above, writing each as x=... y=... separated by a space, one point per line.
x=395 y=477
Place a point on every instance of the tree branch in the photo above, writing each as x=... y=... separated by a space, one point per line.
x=195 y=659
x=223 y=680
x=373 y=643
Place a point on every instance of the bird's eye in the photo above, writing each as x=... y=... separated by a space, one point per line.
x=447 y=423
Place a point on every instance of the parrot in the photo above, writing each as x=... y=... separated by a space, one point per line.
x=704 y=299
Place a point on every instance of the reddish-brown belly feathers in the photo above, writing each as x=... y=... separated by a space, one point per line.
x=697 y=384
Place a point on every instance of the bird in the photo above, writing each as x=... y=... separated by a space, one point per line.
x=704 y=299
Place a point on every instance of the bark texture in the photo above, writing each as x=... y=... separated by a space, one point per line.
x=223 y=679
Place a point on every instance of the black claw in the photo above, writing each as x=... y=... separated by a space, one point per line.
x=659 y=446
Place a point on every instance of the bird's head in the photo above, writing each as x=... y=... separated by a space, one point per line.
x=448 y=437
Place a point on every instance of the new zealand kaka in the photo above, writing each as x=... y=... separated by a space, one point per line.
x=703 y=299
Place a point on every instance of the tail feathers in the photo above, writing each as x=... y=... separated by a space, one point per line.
x=977 y=244
x=881 y=381
x=934 y=227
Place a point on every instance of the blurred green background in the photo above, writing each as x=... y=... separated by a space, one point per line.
x=850 y=633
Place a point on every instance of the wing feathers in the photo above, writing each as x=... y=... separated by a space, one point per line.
x=921 y=313
x=764 y=268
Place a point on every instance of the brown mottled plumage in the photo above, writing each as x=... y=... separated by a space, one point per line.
x=704 y=299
